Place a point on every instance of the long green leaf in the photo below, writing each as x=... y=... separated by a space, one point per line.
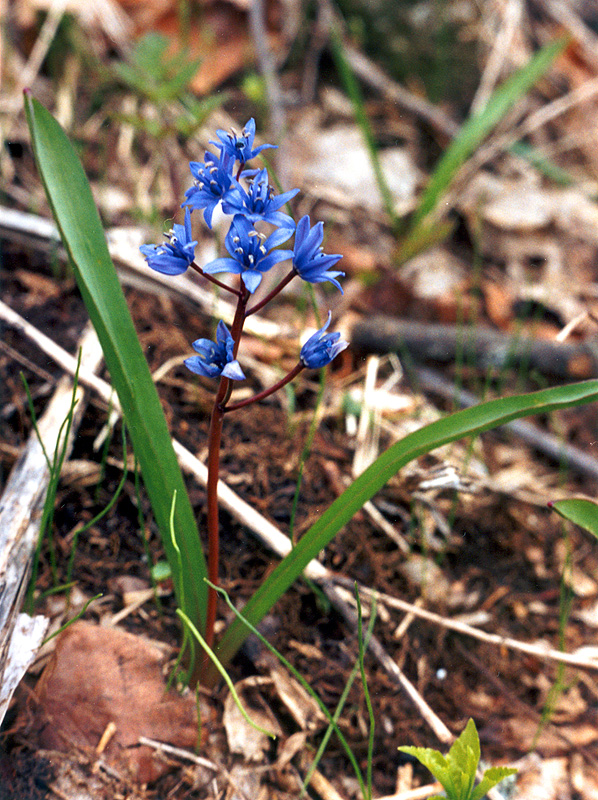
x=476 y=128
x=469 y=422
x=580 y=510
x=76 y=215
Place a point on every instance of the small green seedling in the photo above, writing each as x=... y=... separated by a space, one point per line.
x=456 y=771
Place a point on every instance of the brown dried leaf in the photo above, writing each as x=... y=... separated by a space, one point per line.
x=98 y=676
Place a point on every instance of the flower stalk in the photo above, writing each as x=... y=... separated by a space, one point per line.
x=250 y=254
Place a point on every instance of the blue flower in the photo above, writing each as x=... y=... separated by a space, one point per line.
x=260 y=202
x=322 y=347
x=173 y=257
x=213 y=179
x=240 y=147
x=216 y=358
x=251 y=254
x=309 y=262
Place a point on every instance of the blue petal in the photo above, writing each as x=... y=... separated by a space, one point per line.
x=301 y=232
x=251 y=279
x=233 y=371
x=275 y=257
x=162 y=261
x=201 y=367
x=223 y=265
x=321 y=348
x=278 y=237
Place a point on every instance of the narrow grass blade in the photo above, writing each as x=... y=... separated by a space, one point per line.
x=223 y=673
x=72 y=204
x=332 y=719
x=353 y=90
x=469 y=422
x=366 y=691
x=476 y=128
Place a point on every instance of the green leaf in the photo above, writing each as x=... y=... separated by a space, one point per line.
x=491 y=778
x=72 y=204
x=432 y=760
x=469 y=422
x=152 y=73
x=457 y=771
x=463 y=759
x=580 y=510
x=476 y=128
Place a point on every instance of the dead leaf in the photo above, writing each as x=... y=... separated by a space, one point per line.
x=97 y=676
x=242 y=737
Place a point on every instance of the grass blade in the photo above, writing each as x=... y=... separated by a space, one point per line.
x=469 y=422
x=580 y=510
x=70 y=198
x=352 y=88
x=476 y=128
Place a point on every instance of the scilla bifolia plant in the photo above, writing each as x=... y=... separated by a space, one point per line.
x=245 y=195
x=72 y=204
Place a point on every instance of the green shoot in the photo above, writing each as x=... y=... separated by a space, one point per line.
x=54 y=467
x=456 y=771
x=332 y=719
x=187 y=640
x=74 y=619
x=223 y=673
x=102 y=513
x=477 y=127
x=372 y=719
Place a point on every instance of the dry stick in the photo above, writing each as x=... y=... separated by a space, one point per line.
x=584 y=93
x=38 y=54
x=266 y=65
x=375 y=77
x=180 y=753
x=482 y=347
x=542 y=441
x=371 y=74
x=317 y=40
x=510 y=18
x=275 y=539
x=132 y=270
x=546 y=653
x=269 y=533
x=485 y=347
x=185 y=755
x=564 y=14
x=20 y=512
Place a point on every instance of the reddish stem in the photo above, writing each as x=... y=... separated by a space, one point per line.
x=272 y=294
x=215 y=438
x=267 y=392
x=213 y=280
x=212 y=509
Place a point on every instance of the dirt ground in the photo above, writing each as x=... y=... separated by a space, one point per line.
x=481 y=548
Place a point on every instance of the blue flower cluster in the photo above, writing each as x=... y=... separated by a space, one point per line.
x=216 y=358
x=248 y=196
